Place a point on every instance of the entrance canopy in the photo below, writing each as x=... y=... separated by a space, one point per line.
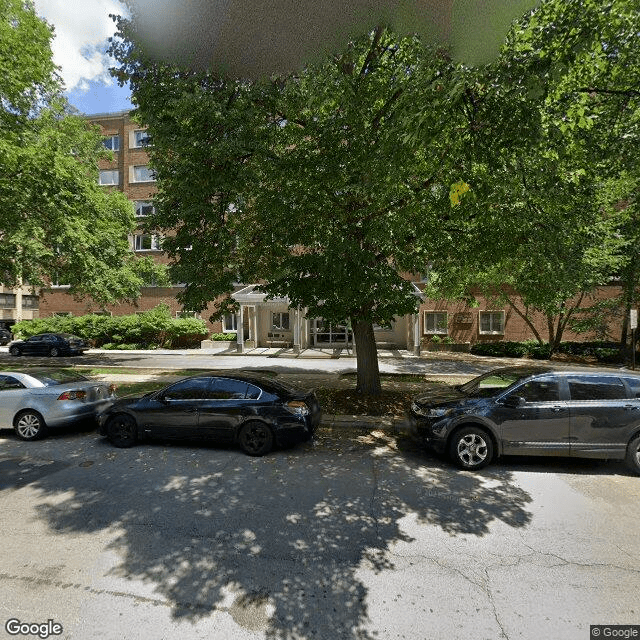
x=252 y=295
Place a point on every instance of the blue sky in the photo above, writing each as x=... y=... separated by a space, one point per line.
x=79 y=49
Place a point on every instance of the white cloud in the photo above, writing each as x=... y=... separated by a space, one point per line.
x=81 y=32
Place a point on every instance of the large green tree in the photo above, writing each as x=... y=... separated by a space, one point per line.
x=55 y=221
x=552 y=124
x=307 y=183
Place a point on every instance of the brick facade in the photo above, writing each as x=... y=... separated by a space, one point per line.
x=461 y=323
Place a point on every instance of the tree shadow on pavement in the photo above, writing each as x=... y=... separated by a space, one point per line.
x=276 y=542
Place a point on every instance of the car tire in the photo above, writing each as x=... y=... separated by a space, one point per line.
x=54 y=352
x=255 y=438
x=14 y=351
x=471 y=448
x=633 y=455
x=122 y=431
x=29 y=425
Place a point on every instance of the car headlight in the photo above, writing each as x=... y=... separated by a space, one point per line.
x=430 y=412
x=297 y=407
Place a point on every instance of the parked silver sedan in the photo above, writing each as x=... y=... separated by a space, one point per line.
x=32 y=403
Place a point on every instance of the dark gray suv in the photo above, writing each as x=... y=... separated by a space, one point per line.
x=534 y=411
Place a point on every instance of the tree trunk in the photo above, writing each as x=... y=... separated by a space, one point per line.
x=367 y=359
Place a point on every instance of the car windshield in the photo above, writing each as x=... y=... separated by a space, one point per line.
x=488 y=384
x=52 y=378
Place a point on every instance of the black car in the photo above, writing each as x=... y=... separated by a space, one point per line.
x=255 y=413
x=534 y=411
x=49 y=344
x=5 y=336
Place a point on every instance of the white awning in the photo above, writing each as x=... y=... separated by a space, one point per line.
x=251 y=295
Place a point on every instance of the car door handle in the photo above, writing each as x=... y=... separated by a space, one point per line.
x=191 y=410
x=630 y=407
x=557 y=409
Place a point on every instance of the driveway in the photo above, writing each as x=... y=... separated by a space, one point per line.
x=358 y=536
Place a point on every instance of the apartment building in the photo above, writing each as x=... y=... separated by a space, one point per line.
x=128 y=171
x=268 y=322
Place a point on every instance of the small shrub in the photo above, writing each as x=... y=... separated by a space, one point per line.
x=223 y=337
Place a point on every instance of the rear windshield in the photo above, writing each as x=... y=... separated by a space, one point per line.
x=52 y=378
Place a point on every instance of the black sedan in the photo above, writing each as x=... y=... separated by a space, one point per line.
x=255 y=413
x=5 y=336
x=534 y=411
x=49 y=344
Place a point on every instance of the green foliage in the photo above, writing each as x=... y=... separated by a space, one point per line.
x=56 y=222
x=222 y=337
x=149 y=329
x=602 y=351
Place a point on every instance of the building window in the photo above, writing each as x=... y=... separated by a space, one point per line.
x=142 y=173
x=112 y=143
x=30 y=302
x=7 y=301
x=144 y=208
x=491 y=322
x=280 y=320
x=187 y=314
x=109 y=177
x=140 y=139
x=435 y=322
x=146 y=242
x=229 y=323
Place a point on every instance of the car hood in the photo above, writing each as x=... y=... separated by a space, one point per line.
x=445 y=397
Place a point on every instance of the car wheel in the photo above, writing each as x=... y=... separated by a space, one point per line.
x=471 y=448
x=14 y=351
x=29 y=425
x=256 y=438
x=633 y=455
x=122 y=431
x=54 y=352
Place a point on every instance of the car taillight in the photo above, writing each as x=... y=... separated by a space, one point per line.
x=297 y=407
x=78 y=394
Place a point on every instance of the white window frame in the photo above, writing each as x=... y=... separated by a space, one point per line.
x=234 y=323
x=277 y=318
x=112 y=173
x=491 y=331
x=435 y=329
x=187 y=314
x=142 y=204
x=109 y=140
x=135 y=137
x=154 y=242
x=133 y=170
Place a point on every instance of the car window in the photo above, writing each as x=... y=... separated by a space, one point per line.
x=634 y=384
x=545 y=390
x=35 y=339
x=192 y=389
x=596 y=388
x=9 y=382
x=53 y=377
x=489 y=384
x=225 y=389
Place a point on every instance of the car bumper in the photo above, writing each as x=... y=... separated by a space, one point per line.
x=421 y=431
x=68 y=412
x=297 y=430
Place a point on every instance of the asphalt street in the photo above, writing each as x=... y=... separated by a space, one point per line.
x=358 y=536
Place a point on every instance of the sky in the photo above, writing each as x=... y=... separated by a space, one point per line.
x=79 y=49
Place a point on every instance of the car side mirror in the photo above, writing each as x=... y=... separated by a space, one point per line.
x=513 y=402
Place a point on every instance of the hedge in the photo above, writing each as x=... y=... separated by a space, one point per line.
x=608 y=352
x=146 y=330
